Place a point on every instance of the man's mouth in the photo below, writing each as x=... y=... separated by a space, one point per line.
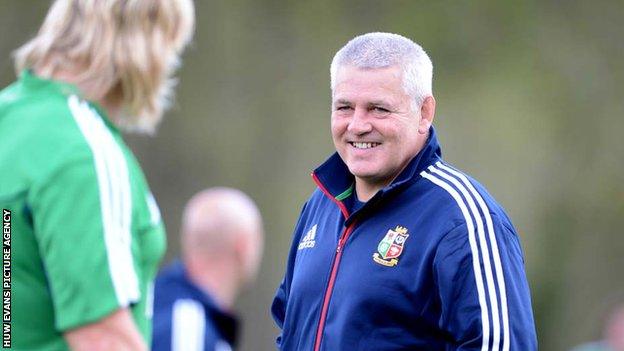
x=360 y=145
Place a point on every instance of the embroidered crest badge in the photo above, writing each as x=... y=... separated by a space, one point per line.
x=391 y=247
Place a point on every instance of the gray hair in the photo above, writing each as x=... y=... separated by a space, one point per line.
x=380 y=50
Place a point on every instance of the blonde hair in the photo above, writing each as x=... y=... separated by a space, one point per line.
x=126 y=50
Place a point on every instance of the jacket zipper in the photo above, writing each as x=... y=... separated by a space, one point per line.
x=334 y=271
x=330 y=286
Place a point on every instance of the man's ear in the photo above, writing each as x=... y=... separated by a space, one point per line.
x=427 y=112
x=241 y=255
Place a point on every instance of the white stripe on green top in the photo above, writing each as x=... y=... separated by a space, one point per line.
x=115 y=199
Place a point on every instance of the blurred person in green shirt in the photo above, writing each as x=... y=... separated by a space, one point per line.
x=86 y=232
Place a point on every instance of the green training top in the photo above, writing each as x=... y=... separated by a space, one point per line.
x=86 y=233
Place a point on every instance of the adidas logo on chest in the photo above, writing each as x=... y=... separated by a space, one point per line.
x=307 y=242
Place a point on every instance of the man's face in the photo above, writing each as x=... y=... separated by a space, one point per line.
x=374 y=128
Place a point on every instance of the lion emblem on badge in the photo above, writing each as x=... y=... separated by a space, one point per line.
x=391 y=247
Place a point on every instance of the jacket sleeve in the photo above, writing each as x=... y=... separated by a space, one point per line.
x=482 y=287
x=76 y=240
x=280 y=301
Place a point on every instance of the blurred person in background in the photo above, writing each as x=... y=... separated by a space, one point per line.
x=613 y=333
x=86 y=232
x=222 y=242
x=396 y=249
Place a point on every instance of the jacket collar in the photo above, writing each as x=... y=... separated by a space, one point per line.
x=337 y=183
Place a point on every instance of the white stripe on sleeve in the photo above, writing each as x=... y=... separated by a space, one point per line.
x=500 y=278
x=485 y=255
x=115 y=199
x=187 y=326
x=475 y=255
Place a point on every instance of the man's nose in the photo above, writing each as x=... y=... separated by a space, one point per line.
x=359 y=123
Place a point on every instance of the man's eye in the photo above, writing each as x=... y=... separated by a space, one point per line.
x=343 y=108
x=379 y=109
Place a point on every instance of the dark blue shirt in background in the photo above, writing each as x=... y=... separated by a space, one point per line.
x=186 y=318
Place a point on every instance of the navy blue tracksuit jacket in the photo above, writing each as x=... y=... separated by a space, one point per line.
x=186 y=318
x=431 y=262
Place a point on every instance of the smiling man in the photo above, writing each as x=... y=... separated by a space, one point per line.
x=396 y=249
